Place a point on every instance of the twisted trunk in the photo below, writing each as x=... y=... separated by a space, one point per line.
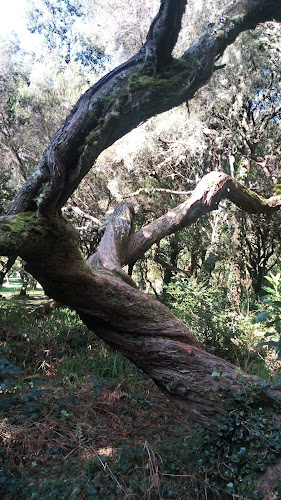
x=140 y=327
x=104 y=296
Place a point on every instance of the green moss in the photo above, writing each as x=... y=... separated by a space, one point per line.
x=174 y=74
x=255 y=196
x=277 y=189
x=108 y=101
x=179 y=65
x=237 y=19
x=81 y=149
x=5 y=227
x=142 y=82
x=93 y=136
x=6 y=245
x=16 y=229
x=18 y=225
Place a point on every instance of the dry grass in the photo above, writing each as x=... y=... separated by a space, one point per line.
x=98 y=424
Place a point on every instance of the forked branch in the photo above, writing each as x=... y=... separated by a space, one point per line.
x=205 y=198
x=149 y=83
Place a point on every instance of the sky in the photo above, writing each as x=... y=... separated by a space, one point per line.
x=12 y=19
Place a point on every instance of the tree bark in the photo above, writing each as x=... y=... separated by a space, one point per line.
x=140 y=327
x=104 y=296
x=6 y=268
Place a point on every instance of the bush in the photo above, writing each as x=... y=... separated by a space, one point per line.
x=270 y=314
x=7 y=370
x=212 y=319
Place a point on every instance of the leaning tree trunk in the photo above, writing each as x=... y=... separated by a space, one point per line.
x=140 y=327
x=6 y=267
x=104 y=296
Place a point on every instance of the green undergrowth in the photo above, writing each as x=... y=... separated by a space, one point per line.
x=79 y=421
x=223 y=331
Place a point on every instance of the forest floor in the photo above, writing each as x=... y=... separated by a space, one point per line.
x=78 y=421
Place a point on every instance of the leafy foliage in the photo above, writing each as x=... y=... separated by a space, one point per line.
x=270 y=316
x=76 y=399
x=6 y=191
x=56 y=20
x=7 y=369
x=211 y=317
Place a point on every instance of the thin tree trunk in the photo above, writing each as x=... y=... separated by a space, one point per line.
x=4 y=273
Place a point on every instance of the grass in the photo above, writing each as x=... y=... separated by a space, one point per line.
x=81 y=422
x=12 y=288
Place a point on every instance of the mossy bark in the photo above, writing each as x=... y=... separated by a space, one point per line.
x=151 y=82
x=137 y=325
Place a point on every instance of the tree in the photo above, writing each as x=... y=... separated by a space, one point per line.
x=29 y=92
x=13 y=77
x=56 y=21
x=102 y=293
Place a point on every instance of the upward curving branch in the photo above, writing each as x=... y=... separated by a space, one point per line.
x=149 y=83
x=213 y=188
x=163 y=33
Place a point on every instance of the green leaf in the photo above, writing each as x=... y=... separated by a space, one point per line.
x=276 y=303
x=261 y=316
x=269 y=290
x=268 y=334
x=269 y=343
x=268 y=324
x=278 y=345
x=278 y=326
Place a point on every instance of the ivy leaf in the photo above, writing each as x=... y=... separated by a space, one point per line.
x=261 y=316
x=276 y=303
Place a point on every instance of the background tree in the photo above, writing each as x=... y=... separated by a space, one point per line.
x=59 y=22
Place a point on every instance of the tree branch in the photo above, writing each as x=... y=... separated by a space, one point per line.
x=107 y=111
x=156 y=190
x=214 y=187
x=163 y=34
x=110 y=254
x=160 y=259
x=78 y=211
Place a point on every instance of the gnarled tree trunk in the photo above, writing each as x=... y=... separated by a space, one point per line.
x=100 y=291
x=140 y=327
